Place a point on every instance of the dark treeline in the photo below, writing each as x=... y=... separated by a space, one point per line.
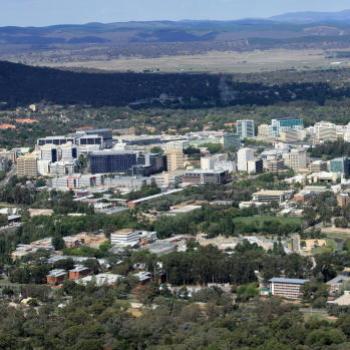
x=330 y=150
x=209 y=265
x=21 y=85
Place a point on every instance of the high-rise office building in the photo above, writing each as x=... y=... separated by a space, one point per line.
x=230 y=141
x=264 y=131
x=149 y=164
x=283 y=124
x=27 y=166
x=296 y=159
x=255 y=166
x=245 y=128
x=112 y=162
x=243 y=156
x=340 y=166
x=325 y=131
x=53 y=153
x=175 y=159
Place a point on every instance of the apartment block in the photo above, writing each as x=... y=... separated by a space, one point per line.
x=27 y=166
x=289 y=288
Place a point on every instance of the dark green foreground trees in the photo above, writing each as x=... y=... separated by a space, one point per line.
x=94 y=319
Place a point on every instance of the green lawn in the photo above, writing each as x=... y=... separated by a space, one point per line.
x=267 y=225
x=329 y=248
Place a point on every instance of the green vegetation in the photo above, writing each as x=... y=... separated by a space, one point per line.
x=213 y=148
x=268 y=225
x=86 y=252
x=145 y=191
x=246 y=292
x=330 y=150
x=329 y=248
x=208 y=265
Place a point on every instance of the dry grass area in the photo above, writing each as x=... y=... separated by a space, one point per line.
x=336 y=231
x=229 y=62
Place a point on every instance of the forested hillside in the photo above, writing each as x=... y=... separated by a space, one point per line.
x=21 y=85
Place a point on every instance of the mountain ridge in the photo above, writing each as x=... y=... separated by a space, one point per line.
x=305 y=17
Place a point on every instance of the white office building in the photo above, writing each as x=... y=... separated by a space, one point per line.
x=245 y=128
x=126 y=237
x=244 y=155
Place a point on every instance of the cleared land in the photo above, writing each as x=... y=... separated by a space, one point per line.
x=336 y=232
x=228 y=62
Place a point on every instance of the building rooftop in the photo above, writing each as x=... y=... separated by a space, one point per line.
x=101 y=279
x=344 y=300
x=200 y=171
x=184 y=209
x=57 y=273
x=339 y=279
x=288 y=280
x=161 y=247
x=124 y=232
x=143 y=276
x=112 y=152
x=79 y=268
x=270 y=193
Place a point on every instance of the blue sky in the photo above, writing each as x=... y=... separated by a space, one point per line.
x=46 y=12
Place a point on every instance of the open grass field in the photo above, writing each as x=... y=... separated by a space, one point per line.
x=329 y=248
x=267 y=224
x=216 y=62
x=336 y=232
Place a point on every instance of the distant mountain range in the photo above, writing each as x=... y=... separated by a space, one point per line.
x=313 y=17
x=99 y=41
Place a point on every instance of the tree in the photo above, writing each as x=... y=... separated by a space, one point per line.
x=58 y=242
x=316 y=293
x=157 y=149
x=247 y=292
x=325 y=337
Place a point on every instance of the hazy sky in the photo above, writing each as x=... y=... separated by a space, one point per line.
x=45 y=12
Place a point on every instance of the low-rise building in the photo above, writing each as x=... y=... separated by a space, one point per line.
x=325 y=177
x=341 y=304
x=143 y=276
x=203 y=177
x=343 y=199
x=318 y=166
x=337 y=284
x=84 y=239
x=26 y=249
x=126 y=237
x=289 y=288
x=271 y=196
x=102 y=279
x=78 y=272
x=56 y=277
x=183 y=209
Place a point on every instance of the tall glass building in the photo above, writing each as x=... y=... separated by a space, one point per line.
x=340 y=165
x=245 y=128
x=283 y=124
x=112 y=162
